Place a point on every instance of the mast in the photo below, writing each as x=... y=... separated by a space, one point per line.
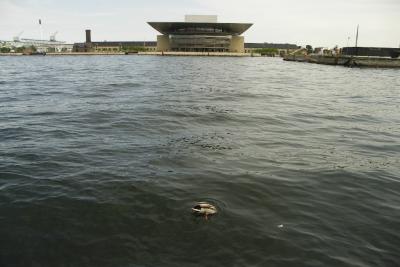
x=358 y=27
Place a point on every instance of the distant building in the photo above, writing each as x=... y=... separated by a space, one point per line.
x=184 y=42
x=200 y=34
x=371 y=51
x=114 y=46
x=281 y=48
x=41 y=45
x=271 y=45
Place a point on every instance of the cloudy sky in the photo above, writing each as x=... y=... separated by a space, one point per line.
x=315 y=22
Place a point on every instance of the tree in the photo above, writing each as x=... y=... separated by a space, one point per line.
x=133 y=49
x=5 y=50
x=267 y=51
x=20 y=49
x=309 y=49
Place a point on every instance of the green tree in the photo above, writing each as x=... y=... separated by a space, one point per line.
x=5 y=50
x=309 y=49
x=20 y=49
x=134 y=49
x=266 y=51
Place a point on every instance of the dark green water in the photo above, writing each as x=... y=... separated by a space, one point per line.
x=101 y=159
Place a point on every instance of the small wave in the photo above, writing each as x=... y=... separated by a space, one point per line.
x=206 y=141
x=12 y=133
x=8 y=99
x=266 y=143
x=125 y=84
x=45 y=113
x=13 y=176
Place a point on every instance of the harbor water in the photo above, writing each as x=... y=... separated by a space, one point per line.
x=102 y=158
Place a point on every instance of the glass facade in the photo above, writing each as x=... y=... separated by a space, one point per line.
x=200 y=43
x=199 y=30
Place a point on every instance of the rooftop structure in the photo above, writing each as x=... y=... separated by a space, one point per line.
x=200 y=34
x=201 y=18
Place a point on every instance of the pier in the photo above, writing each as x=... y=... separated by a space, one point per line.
x=347 y=61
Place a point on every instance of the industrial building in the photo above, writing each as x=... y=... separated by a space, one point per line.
x=114 y=46
x=41 y=45
x=200 y=34
x=281 y=48
x=371 y=51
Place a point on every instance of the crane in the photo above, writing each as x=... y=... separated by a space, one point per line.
x=16 y=38
x=53 y=37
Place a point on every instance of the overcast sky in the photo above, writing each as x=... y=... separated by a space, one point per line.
x=316 y=22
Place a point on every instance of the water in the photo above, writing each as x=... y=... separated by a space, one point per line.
x=101 y=159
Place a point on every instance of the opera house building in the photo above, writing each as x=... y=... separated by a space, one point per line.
x=200 y=34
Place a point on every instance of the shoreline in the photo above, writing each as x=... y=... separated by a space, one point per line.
x=202 y=54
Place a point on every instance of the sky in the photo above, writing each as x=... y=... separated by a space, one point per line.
x=316 y=22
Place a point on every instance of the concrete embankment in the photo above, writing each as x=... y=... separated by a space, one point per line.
x=373 y=62
x=85 y=54
x=348 y=61
x=202 y=54
x=11 y=54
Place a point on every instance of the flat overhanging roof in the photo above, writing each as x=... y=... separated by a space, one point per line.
x=200 y=28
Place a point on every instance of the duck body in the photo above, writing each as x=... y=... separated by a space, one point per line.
x=204 y=209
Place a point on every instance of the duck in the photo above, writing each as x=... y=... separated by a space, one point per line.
x=204 y=209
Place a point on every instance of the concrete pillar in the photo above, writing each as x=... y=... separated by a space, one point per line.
x=163 y=44
x=237 y=44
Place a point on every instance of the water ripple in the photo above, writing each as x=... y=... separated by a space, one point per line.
x=101 y=159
